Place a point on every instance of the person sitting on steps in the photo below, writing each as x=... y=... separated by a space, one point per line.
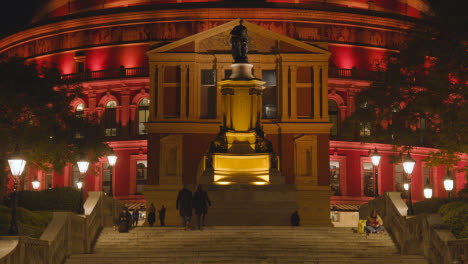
x=374 y=223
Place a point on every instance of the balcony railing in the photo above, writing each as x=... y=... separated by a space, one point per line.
x=120 y=73
x=124 y=73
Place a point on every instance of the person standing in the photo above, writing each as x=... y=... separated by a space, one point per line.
x=136 y=216
x=201 y=202
x=162 y=215
x=151 y=214
x=184 y=205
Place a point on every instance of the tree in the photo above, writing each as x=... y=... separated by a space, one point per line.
x=36 y=116
x=420 y=97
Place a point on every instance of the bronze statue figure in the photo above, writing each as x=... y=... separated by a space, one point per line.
x=239 y=40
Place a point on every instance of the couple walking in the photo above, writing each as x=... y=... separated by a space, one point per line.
x=186 y=203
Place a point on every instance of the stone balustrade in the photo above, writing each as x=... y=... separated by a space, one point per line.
x=66 y=234
x=423 y=234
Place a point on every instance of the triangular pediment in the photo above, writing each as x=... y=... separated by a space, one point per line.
x=216 y=41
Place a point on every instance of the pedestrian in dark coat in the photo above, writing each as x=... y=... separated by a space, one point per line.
x=129 y=218
x=136 y=216
x=123 y=221
x=200 y=203
x=162 y=215
x=184 y=205
x=151 y=214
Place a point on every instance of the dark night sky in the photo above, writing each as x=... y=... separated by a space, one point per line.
x=16 y=13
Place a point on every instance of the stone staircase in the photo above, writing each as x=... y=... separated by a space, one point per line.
x=246 y=244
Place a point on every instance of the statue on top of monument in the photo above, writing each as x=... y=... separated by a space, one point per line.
x=239 y=40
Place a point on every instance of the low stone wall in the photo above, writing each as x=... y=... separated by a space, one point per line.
x=66 y=234
x=421 y=234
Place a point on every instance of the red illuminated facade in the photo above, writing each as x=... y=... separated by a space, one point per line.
x=103 y=45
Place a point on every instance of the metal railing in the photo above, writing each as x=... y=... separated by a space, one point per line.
x=124 y=73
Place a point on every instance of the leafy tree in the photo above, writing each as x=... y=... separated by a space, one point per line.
x=36 y=115
x=420 y=97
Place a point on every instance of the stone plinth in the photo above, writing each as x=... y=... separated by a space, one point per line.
x=242 y=169
x=163 y=195
x=251 y=205
x=314 y=204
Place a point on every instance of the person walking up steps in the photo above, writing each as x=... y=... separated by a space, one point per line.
x=151 y=214
x=184 y=205
x=201 y=202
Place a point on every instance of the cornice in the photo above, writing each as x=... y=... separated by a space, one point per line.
x=204 y=14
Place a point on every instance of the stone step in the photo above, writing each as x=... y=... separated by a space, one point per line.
x=243 y=244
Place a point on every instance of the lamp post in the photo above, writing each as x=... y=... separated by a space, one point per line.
x=112 y=159
x=428 y=190
x=36 y=184
x=448 y=183
x=83 y=167
x=17 y=164
x=408 y=165
x=375 y=157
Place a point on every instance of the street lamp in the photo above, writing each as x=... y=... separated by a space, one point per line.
x=112 y=159
x=83 y=167
x=375 y=157
x=406 y=186
x=448 y=183
x=17 y=164
x=408 y=166
x=428 y=190
x=36 y=184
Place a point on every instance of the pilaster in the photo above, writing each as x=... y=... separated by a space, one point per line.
x=160 y=92
x=316 y=91
x=293 y=101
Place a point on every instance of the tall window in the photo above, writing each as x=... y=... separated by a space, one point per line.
x=269 y=98
x=365 y=130
x=75 y=175
x=110 y=122
x=143 y=113
x=48 y=178
x=141 y=175
x=106 y=177
x=208 y=94
x=399 y=178
x=334 y=117
x=335 y=177
x=79 y=110
x=368 y=175
x=427 y=175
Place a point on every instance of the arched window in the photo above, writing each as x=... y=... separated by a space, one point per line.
x=79 y=110
x=110 y=122
x=143 y=113
x=333 y=113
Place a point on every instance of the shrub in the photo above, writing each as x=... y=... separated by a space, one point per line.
x=57 y=199
x=429 y=206
x=455 y=216
x=29 y=223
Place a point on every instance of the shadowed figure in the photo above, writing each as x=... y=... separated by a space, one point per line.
x=239 y=40
x=200 y=203
x=184 y=205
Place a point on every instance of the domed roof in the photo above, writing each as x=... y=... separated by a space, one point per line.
x=57 y=8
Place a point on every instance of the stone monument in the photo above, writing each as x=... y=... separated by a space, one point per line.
x=241 y=169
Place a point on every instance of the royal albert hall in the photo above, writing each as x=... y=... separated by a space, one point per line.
x=150 y=68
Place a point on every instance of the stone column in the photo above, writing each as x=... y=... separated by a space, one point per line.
x=160 y=92
x=316 y=91
x=284 y=93
x=325 y=92
x=293 y=101
x=183 y=92
x=153 y=92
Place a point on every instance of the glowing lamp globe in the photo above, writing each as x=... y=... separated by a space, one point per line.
x=428 y=191
x=36 y=184
x=375 y=157
x=79 y=184
x=83 y=166
x=406 y=186
x=17 y=163
x=112 y=158
x=448 y=183
x=408 y=164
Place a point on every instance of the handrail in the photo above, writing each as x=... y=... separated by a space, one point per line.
x=421 y=234
x=67 y=233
